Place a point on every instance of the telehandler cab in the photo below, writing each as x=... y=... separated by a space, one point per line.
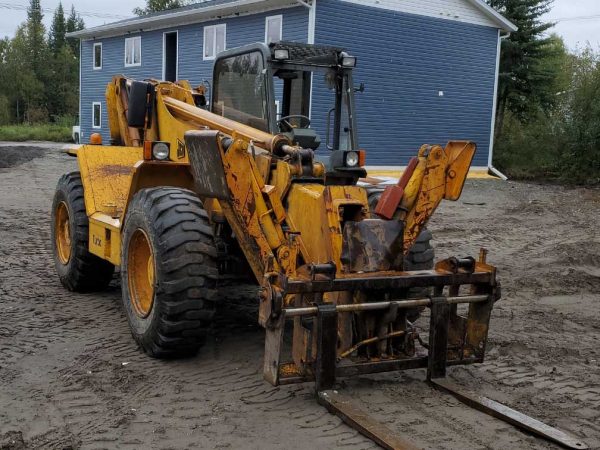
x=192 y=191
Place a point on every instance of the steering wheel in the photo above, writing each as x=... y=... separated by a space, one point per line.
x=285 y=125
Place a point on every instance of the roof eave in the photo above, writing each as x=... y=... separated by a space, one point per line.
x=174 y=18
x=503 y=23
x=188 y=16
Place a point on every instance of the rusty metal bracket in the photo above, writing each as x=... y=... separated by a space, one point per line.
x=509 y=415
x=326 y=360
x=438 y=338
x=273 y=344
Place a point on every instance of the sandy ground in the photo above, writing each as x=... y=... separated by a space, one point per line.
x=71 y=376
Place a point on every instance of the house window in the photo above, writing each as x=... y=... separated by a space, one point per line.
x=98 y=56
x=133 y=51
x=96 y=115
x=214 y=40
x=273 y=29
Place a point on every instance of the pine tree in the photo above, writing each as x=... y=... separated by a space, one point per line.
x=58 y=29
x=64 y=84
x=36 y=37
x=524 y=82
x=39 y=74
x=74 y=23
x=159 y=5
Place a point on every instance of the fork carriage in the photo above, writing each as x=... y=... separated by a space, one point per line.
x=373 y=334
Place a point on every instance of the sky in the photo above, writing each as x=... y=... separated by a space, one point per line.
x=578 y=21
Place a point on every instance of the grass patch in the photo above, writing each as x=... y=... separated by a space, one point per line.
x=47 y=132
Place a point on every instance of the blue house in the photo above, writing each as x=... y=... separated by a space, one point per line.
x=429 y=67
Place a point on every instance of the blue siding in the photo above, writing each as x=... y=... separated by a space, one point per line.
x=404 y=61
x=240 y=31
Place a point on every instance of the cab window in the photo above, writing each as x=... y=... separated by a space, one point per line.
x=240 y=90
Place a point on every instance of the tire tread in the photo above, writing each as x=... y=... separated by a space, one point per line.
x=86 y=272
x=186 y=271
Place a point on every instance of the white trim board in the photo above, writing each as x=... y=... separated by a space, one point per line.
x=475 y=12
x=469 y=11
x=184 y=16
x=495 y=101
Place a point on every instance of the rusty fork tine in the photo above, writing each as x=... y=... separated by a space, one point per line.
x=509 y=415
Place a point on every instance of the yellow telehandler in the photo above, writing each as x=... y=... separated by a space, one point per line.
x=191 y=191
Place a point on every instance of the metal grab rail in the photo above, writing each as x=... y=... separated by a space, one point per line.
x=355 y=307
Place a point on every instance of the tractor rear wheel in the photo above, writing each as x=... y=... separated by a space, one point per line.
x=77 y=268
x=168 y=271
x=421 y=255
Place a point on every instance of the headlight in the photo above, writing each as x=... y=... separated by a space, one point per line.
x=352 y=159
x=347 y=60
x=281 y=54
x=160 y=151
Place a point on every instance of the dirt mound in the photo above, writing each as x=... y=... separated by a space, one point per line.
x=15 y=156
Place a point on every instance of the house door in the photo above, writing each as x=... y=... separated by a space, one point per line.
x=170 y=50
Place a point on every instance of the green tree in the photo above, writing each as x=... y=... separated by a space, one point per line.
x=160 y=5
x=74 y=23
x=58 y=30
x=36 y=38
x=39 y=74
x=581 y=152
x=64 y=84
x=525 y=83
x=25 y=90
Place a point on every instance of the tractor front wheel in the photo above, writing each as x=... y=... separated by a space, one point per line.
x=168 y=271
x=77 y=268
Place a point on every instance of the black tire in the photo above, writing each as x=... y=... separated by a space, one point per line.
x=185 y=271
x=420 y=257
x=421 y=254
x=83 y=272
x=373 y=196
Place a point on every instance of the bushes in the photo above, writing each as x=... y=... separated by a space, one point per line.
x=19 y=133
x=562 y=144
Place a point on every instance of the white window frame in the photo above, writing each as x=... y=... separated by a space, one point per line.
x=97 y=44
x=213 y=29
x=164 y=67
x=94 y=104
x=268 y=20
x=133 y=39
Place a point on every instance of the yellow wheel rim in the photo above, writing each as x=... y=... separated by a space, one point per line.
x=62 y=233
x=140 y=276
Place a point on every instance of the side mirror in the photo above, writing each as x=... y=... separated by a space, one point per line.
x=139 y=93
